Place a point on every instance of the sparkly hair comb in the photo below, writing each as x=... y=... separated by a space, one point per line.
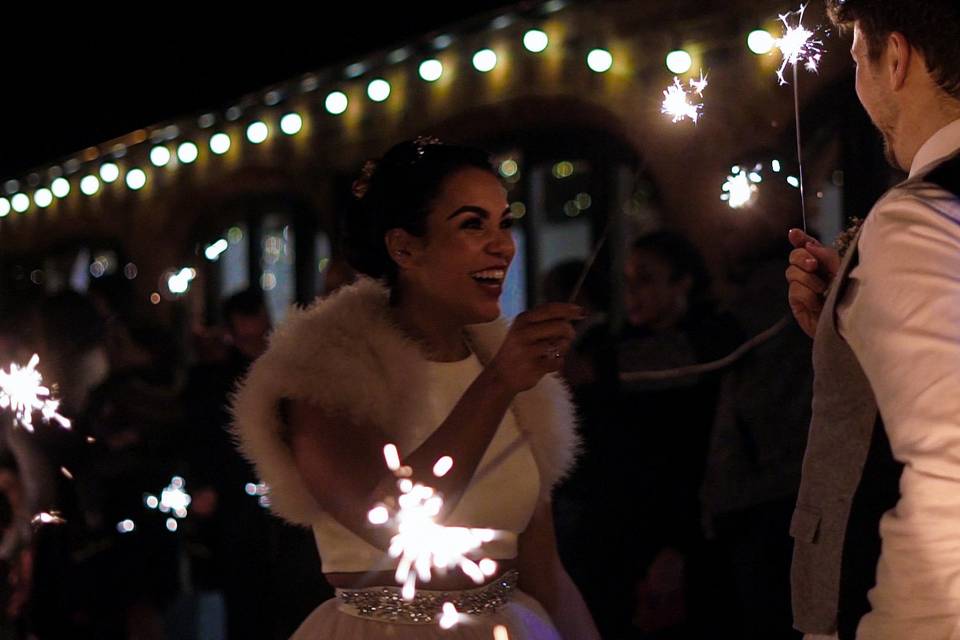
x=422 y=142
x=362 y=184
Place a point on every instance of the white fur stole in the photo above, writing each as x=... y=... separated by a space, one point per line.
x=345 y=354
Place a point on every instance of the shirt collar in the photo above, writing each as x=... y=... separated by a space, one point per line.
x=938 y=146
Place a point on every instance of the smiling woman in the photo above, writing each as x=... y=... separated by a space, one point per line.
x=416 y=356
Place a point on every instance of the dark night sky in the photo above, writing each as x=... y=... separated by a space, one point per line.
x=72 y=87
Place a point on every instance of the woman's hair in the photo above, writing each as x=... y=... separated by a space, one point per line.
x=683 y=259
x=396 y=192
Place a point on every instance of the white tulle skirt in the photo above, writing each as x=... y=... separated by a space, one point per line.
x=521 y=617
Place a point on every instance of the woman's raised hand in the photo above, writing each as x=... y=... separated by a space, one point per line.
x=536 y=345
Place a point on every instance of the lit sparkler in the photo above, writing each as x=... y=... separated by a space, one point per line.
x=261 y=491
x=421 y=544
x=677 y=99
x=450 y=616
x=22 y=391
x=741 y=186
x=798 y=44
x=173 y=499
x=47 y=517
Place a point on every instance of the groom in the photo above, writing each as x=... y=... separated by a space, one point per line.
x=879 y=503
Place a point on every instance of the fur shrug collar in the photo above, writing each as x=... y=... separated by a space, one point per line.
x=345 y=354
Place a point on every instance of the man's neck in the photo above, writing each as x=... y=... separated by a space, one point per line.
x=919 y=124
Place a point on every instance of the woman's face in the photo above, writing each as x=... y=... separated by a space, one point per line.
x=654 y=299
x=461 y=263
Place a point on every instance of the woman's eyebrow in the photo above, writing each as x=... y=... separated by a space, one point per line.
x=470 y=208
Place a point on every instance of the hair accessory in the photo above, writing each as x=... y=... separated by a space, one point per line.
x=362 y=184
x=422 y=142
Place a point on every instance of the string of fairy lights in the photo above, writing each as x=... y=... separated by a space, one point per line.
x=95 y=174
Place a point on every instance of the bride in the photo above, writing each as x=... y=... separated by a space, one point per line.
x=415 y=355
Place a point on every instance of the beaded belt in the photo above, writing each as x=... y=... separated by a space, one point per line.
x=386 y=603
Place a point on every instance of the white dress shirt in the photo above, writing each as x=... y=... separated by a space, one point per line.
x=901 y=316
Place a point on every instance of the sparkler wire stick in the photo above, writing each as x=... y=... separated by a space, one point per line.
x=796 y=113
x=589 y=263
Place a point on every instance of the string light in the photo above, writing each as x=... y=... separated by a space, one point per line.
x=378 y=90
x=257 y=131
x=89 y=185
x=136 y=178
x=219 y=143
x=20 y=202
x=187 y=152
x=60 y=187
x=42 y=198
x=485 y=60
x=431 y=70
x=760 y=42
x=336 y=102
x=599 y=60
x=109 y=172
x=535 y=40
x=159 y=156
x=679 y=61
x=291 y=124
x=797 y=44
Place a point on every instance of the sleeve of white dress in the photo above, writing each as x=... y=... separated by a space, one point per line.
x=902 y=319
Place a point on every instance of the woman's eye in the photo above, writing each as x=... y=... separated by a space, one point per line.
x=507 y=223
x=472 y=223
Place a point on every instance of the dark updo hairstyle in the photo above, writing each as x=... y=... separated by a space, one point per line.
x=396 y=192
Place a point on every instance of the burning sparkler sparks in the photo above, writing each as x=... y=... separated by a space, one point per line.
x=421 y=544
x=450 y=616
x=261 y=491
x=741 y=186
x=22 y=391
x=47 y=517
x=676 y=99
x=798 y=44
x=173 y=499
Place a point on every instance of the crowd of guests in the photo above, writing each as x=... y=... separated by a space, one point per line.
x=674 y=523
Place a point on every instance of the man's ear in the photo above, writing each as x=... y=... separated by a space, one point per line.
x=403 y=247
x=898 y=58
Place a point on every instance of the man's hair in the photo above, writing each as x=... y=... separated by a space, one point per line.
x=930 y=26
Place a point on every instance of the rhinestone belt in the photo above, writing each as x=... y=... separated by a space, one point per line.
x=386 y=603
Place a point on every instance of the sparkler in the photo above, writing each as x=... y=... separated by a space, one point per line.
x=798 y=43
x=22 y=391
x=450 y=616
x=173 y=499
x=260 y=491
x=676 y=99
x=741 y=186
x=421 y=544
x=47 y=517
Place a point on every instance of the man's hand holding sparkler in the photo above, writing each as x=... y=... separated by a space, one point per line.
x=812 y=268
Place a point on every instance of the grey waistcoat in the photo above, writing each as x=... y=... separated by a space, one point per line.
x=841 y=428
x=845 y=415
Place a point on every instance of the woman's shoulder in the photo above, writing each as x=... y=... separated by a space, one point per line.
x=352 y=310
